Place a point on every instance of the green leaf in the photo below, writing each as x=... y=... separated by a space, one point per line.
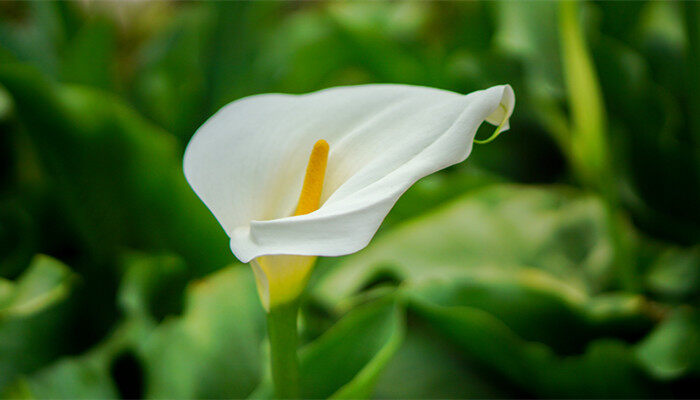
x=426 y=366
x=675 y=273
x=89 y=57
x=346 y=361
x=548 y=310
x=118 y=179
x=606 y=369
x=34 y=327
x=45 y=283
x=647 y=106
x=529 y=31
x=86 y=376
x=170 y=83
x=307 y=52
x=548 y=251
x=78 y=378
x=152 y=286
x=673 y=348
x=206 y=56
x=210 y=351
x=435 y=190
x=505 y=228
x=213 y=349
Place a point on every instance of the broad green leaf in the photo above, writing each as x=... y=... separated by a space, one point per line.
x=152 y=286
x=650 y=118
x=346 y=361
x=426 y=366
x=620 y=19
x=673 y=348
x=504 y=228
x=118 y=179
x=78 y=378
x=306 y=52
x=675 y=274
x=89 y=57
x=436 y=190
x=606 y=369
x=210 y=351
x=529 y=31
x=238 y=30
x=537 y=259
x=368 y=35
x=213 y=349
x=34 y=327
x=45 y=283
x=90 y=375
x=538 y=307
x=427 y=194
x=171 y=81
x=362 y=385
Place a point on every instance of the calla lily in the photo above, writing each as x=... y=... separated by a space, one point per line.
x=291 y=177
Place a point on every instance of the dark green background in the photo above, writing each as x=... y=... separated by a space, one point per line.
x=561 y=260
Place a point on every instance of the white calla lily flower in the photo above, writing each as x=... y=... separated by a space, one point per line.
x=250 y=162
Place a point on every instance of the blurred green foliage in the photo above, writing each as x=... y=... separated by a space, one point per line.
x=562 y=260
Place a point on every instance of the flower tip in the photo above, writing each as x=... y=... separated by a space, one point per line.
x=499 y=128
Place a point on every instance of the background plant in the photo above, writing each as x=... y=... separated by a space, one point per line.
x=561 y=260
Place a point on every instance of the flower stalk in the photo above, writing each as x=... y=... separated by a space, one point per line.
x=284 y=362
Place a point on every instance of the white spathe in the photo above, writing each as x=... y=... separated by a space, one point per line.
x=247 y=162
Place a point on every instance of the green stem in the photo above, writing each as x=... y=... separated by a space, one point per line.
x=282 y=331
